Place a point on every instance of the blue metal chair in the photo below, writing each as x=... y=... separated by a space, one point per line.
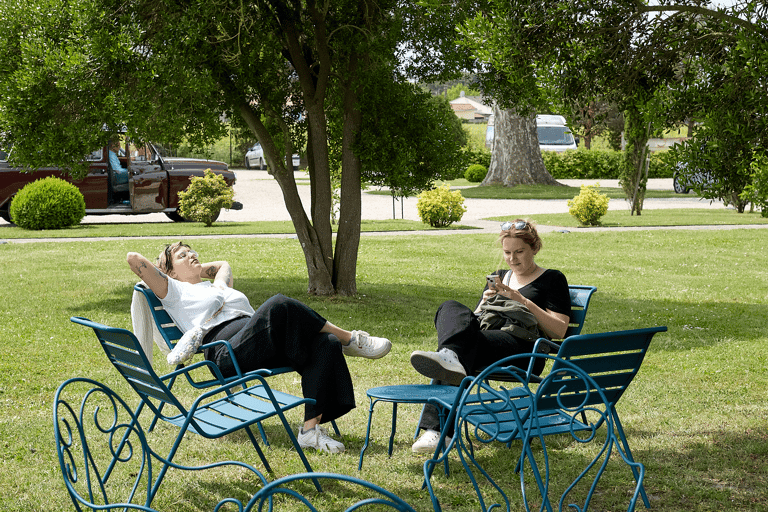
x=103 y=453
x=363 y=496
x=422 y=393
x=577 y=397
x=215 y=413
x=171 y=334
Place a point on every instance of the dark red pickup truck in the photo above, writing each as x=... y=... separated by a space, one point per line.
x=146 y=182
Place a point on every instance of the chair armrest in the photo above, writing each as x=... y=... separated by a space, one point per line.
x=232 y=357
x=186 y=369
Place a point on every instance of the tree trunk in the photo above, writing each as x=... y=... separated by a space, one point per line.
x=635 y=170
x=516 y=157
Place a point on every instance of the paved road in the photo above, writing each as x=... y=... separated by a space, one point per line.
x=262 y=200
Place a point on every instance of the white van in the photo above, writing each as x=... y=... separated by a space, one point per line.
x=554 y=134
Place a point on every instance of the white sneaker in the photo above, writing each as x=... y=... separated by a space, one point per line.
x=365 y=345
x=427 y=442
x=443 y=365
x=319 y=439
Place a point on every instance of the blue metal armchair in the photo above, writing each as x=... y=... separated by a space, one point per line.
x=171 y=334
x=103 y=453
x=215 y=413
x=577 y=397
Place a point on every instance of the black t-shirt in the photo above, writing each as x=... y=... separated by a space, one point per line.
x=548 y=291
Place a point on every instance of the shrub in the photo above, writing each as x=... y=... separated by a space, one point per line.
x=589 y=205
x=48 y=203
x=475 y=173
x=205 y=197
x=440 y=207
x=597 y=164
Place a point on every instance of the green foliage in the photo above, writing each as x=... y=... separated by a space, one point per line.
x=48 y=203
x=205 y=197
x=594 y=164
x=589 y=205
x=757 y=191
x=454 y=92
x=440 y=207
x=409 y=139
x=475 y=173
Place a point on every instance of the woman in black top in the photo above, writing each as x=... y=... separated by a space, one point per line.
x=463 y=347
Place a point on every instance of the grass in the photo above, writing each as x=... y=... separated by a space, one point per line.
x=652 y=218
x=173 y=229
x=696 y=415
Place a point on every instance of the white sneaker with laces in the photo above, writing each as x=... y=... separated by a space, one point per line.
x=365 y=345
x=427 y=442
x=443 y=365
x=319 y=439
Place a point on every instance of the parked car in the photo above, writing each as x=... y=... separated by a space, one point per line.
x=684 y=183
x=553 y=133
x=254 y=158
x=147 y=181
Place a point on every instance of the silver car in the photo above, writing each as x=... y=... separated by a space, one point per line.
x=254 y=158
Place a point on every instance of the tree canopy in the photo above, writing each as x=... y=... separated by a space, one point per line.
x=302 y=76
x=660 y=64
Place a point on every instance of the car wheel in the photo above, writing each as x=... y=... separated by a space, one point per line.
x=262 y=165
x=247 y=163
x=679 y=187
x=176 y=217
x=6 y=216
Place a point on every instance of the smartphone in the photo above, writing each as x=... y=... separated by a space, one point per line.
x=491 y=280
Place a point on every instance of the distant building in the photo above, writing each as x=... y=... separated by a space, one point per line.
x=471 y=109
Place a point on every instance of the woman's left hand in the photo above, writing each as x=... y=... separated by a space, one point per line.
x=506 y=291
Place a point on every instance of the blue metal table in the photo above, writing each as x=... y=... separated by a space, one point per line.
x=402 y=394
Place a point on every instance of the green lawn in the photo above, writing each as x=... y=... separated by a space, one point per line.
x=696 y=415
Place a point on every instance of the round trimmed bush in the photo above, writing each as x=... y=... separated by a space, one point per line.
x=589 y=205
x=205 y=197
x=440 y=207
x=475 y=173
x=48 y=203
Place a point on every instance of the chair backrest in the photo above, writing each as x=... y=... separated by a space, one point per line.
x=611 y=359
x=165 y=324
x=126 y=355
x=580 y=296
x=103 y=452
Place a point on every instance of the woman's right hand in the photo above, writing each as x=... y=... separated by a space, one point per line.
x=487 y=294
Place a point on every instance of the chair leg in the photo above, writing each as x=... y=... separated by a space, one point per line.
x=258 y=449
x=367 y=435
x=628 y=453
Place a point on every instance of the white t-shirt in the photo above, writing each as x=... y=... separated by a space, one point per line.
x=192 y=305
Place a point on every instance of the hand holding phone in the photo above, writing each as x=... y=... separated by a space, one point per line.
x=491 y=278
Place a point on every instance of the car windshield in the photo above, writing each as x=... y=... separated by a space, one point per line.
x=555 y=135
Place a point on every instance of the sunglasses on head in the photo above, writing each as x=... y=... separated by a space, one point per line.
x=519 y=224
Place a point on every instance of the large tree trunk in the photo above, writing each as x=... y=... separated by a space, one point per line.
x=516 y=157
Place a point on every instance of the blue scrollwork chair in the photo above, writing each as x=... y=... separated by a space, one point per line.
x=103 y=453
x=354 y=494
x=576 y=398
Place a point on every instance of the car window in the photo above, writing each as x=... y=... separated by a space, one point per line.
x=554 y=135
x=95 y=156
x=3 y=155
x=142 y=153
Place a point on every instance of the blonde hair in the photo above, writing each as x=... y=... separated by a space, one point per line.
x=528 y=234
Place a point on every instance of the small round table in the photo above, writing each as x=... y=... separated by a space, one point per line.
x=403 y=394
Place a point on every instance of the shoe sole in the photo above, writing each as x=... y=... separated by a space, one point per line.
x=434 y=370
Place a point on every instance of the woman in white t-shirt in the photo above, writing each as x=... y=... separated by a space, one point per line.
x=281 y=332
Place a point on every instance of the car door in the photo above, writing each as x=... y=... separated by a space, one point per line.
x=148 y=182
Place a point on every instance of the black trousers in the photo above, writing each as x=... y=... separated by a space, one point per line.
x=458 y=329
x=286 y=332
